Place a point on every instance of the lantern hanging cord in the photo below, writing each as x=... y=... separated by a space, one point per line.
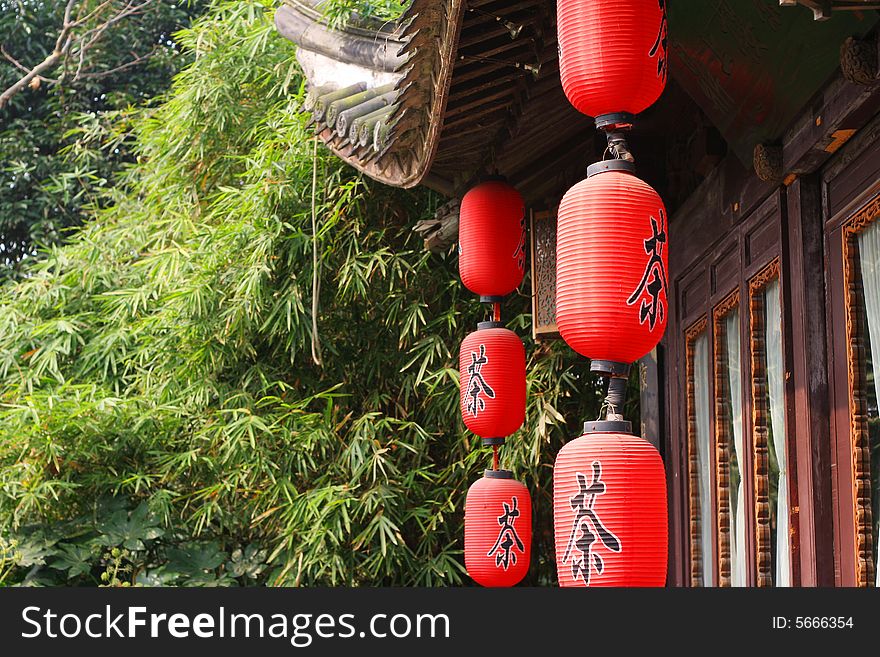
x=496 y=315
x=495 y=460
x=617 y=146
x=612 y=406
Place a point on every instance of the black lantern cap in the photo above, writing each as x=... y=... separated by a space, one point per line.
x=610 y=368
x=481 y=326
x=615 y=120
x=608 y=426
x=490 y=442
x=610 y=165
x=488 y=298
x=498 y=474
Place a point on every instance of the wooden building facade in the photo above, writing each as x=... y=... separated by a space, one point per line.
x=766 y=148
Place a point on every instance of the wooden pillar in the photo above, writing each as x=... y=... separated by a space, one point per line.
x=808 y=409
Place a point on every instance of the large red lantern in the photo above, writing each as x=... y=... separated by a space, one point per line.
x=612 y=55
x=493 y=381
x=497 y=529
x=611 y=265
x=609 y=507
x=492 y=239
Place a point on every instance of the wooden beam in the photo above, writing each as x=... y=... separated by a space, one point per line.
x=839 y=110
x=821 y=8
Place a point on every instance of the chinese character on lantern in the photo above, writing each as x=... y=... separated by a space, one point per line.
x=477 y=385
x=587 y=526
x=520 y=252
x=507 y=537
x=660 y=45
x=654 y=279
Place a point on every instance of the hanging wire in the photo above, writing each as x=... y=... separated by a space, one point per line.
x=316 y=278
x=531 y=68
x=512 y=28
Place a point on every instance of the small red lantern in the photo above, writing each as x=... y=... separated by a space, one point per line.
x=609 y=508
x=612 y=56
x=493 y=381
x=611 y=265
x=492 y=239
x=497 y=529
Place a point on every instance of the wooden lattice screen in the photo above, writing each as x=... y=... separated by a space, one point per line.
x=543 y=239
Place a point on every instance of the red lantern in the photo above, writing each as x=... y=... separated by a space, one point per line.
x=492 y=239
x=611 y=265
x=493 y=381
x=612 y=55
x=609 y=509
x=497 y=529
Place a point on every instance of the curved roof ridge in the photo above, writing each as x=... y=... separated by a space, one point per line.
x=420 y=54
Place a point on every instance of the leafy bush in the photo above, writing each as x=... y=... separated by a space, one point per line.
x=354 y=12
x=171 y=415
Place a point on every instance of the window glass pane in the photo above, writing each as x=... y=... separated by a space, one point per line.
x=704 y=460
x=869 y=257
x=780 y=549
x=731 y=432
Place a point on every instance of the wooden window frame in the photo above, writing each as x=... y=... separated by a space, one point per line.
x=697 y=330
x=760 y=413
x=718 y=280
x=722 y=440
x=850 y=193
x=853 y=519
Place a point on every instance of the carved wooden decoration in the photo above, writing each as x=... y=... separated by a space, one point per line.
x=856 y=358
x=858 y=60
x=767 y=160
x=543 y=239
x=761 y=421
x=698 y=329
x=722 y=437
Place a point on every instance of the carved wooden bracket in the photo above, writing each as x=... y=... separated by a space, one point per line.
x=858 y=61
x=768 y=163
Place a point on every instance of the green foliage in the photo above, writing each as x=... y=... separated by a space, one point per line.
x=53 y=161
x=158 y=395
x=348 y=12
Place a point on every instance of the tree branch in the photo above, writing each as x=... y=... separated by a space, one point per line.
x=62 y=46
x=134 y=62
x=46 y=64
x=92 y=36
x=67 y=39
x=14 y=61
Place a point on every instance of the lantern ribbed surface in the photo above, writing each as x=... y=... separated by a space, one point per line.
x=609 y=512
x=492 y=368
x=611 y=267
x=612 y=54
x=497 y=530
x=491 y=239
